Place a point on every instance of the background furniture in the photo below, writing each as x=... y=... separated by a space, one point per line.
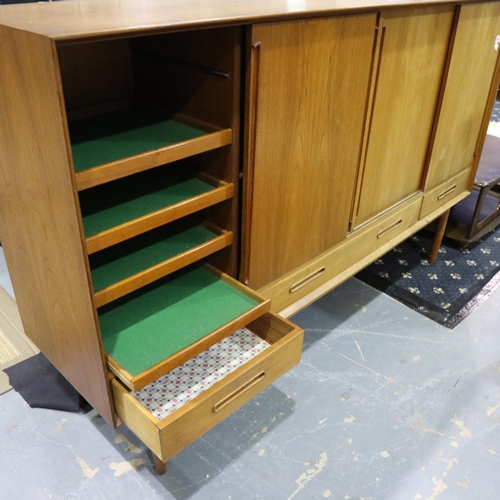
x=479 y=213
x=131 y=130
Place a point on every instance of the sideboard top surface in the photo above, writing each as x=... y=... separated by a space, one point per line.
x=73 y=20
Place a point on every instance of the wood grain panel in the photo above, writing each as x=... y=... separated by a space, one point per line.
x=413 y=53
x=138 y=418
x=312 y=86
x=78 y=19
x=467 y=90
x=40 y=225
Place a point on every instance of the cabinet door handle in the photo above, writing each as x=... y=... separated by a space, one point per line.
x=389 y=228
x=245 y=387
x=447 y=192
x=370 y=107
x=307 y=279
x=254 y=98
x=249 y=161
x=254 y=83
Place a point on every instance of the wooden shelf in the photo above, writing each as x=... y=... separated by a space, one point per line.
x=130 y=206
x=121 y=143
x=151 y=331
x=138 y=262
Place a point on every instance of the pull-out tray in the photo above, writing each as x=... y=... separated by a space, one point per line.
x=121 y=143
x=168 y=435
x=135 y=205
x=157 y=328
x=140 y=261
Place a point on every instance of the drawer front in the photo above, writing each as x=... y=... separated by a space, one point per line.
x=172 y=434
x=445 y=192
x=339 y=261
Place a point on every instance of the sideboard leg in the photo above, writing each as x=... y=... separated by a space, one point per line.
x=159 y=465
x=438 y=237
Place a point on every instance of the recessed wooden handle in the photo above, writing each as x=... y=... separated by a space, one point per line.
x=389 y=228
x=254 y=98
x=249 y=162
x=447 y=192
x=307 y=280
x=245 y=387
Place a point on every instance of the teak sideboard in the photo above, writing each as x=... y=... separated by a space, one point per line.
x=172 y=172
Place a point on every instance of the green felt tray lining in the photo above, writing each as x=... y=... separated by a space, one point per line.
x=138 y=254
x=118 y=202
x=121 y=134
x=149 y=325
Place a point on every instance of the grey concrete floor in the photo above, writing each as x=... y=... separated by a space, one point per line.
x=385 y=405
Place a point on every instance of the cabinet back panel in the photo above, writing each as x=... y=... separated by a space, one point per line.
x=95 y=75
x=313 y=82
x=190 y=73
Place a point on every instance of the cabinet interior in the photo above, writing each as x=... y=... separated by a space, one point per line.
x=153 y=130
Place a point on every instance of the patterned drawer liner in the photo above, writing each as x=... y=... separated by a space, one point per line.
x=173 y=390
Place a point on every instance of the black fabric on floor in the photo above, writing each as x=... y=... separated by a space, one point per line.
x=446 y=292
x=42 y=386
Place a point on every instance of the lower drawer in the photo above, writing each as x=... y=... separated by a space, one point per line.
x=446 y=191
x=168 y=436
x=339 y=260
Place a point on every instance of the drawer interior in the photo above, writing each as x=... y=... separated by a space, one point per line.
x=173 y=390
x=278 y=346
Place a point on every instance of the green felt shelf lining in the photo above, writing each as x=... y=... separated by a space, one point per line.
x=138 y=254
x=149 y=325
x=122 y=134
x=118 y=202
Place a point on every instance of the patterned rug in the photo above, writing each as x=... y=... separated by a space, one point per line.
x=461 y=279
x=448 y=291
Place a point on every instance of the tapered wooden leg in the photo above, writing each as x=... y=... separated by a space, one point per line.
x=160 y=465
x=438 y=237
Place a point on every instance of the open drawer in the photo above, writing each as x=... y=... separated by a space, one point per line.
x=180 y=427
x=159 y=327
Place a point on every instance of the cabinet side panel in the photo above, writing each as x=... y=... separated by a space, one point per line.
x=312 y=86
x=467 y=89
x=39 y=222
